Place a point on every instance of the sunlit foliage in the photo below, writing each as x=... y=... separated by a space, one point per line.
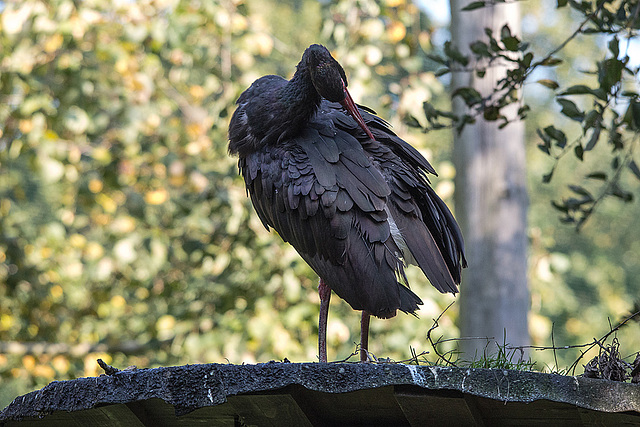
x=125 y=230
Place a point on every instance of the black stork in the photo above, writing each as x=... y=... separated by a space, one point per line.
x=351 y=197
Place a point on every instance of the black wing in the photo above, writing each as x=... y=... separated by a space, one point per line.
x=423 y=218
x=321 y=192
x=355 y=209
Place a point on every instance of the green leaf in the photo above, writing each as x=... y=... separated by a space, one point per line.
x=547 y=177
x=578 y=90
x=601 y=176
x=452 y=52
x=545 y=137
x=632 y=115
x=474 y=5
x=570 y=109
x=505 y=32
x=634 y=168
x=609 y=73
x=551 y=62
x=480 y=48
x=491 y=113
x=523 y=110
x=581 y=191
x=621 y=194
x=411 y=121
x=511 y=43
x=429 y=110
x=544 y=148
x=590 y=120
x=593 y=140
x=557 y=135
x=585 y=90
x=437 y=58
x=579 y=152
x=470 y=95
x=551 y=84
x=560 y=207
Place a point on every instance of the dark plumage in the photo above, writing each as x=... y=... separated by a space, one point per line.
x=334 y=181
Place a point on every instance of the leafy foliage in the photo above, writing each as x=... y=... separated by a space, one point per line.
x=125 y=230
x=608 y=108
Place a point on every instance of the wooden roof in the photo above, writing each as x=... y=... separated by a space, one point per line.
x=314 y=394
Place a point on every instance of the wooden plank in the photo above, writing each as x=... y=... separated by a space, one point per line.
x=268 y=410
x=594 y=418
x=424 y=408
x=368 y=407
x=104 y=416
x=537 y=413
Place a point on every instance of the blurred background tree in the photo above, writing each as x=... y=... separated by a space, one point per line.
x=125 y=231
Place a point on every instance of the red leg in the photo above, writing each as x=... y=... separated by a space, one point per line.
x=325 y=297
x=364 y=336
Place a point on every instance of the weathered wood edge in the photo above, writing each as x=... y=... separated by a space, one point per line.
x=191 y=387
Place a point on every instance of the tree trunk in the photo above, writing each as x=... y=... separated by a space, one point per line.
x=491 y=198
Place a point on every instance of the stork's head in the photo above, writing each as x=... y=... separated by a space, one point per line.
x=330 y=81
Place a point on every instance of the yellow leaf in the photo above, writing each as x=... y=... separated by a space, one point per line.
x=238 y=23
x=56 y=292
x=50 y=135
x=102 y=155
x=122 y=65
x=53 y=43
x=177 y=181
x=33 y=330
x=44 y=371
x=118 y=301
x=95 y=185
x=93 y=251
x=28 y=362
x=25 y=125
x=166 y=322
x=77 y=240
x=107 y=203
x=142 y=293
x=123 y=225
x=156 y=197
x=194 y=130
x=196 y=91
x=102 y=219
x=60 y=364
x=6 y=322
x=45 y=252
x=264 y=44
x=396 y=31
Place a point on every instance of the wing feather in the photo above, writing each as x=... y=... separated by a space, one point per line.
x=333 y=194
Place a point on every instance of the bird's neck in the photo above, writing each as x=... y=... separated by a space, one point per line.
x=299 y=98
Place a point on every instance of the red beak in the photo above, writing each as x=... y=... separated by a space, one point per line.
x=351 y=107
